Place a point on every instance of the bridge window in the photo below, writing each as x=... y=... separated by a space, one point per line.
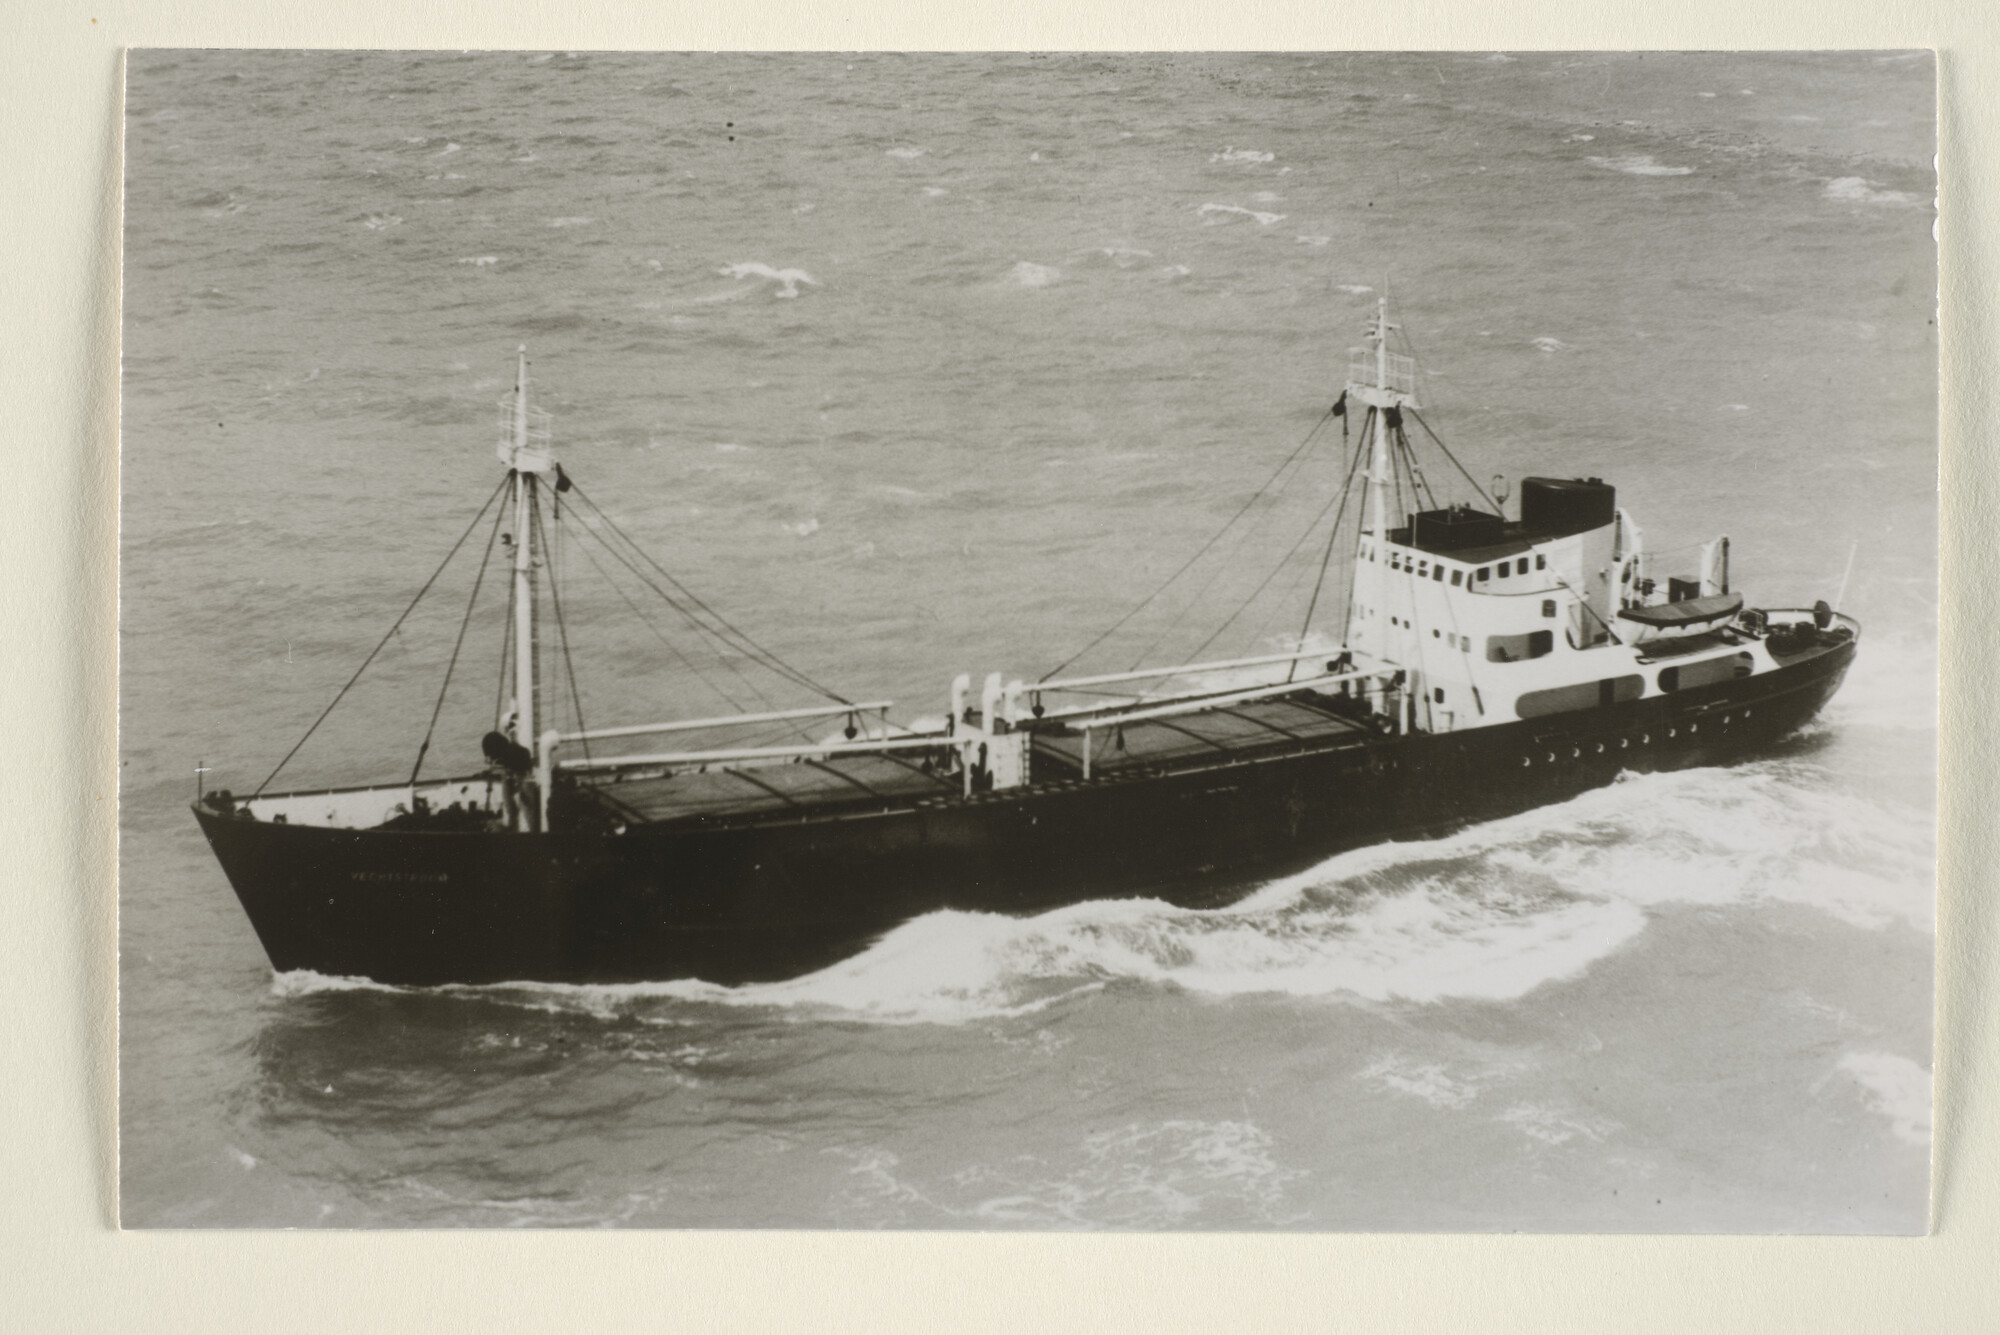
x=1514 y=648
x=1438 y=573
x=1482 y=573
x=1521 y=566
x=1541 y=562
x=1437 y=695
x=1548 y=607
x=1457 y=578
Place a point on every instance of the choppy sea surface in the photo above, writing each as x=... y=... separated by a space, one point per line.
x=927 y=365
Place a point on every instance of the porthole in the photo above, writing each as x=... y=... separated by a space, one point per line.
x=1576 y=753
x=1525 y=762
x=1645 y=739
x=1673 y=732
x=1694 y=727
x=1600 y=748
x=1746 y=713
x=1624 y=742
x=1552 y=757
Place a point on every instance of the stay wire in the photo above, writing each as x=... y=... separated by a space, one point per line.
x=1326 y=558
x=658 y=634
x=627 y=548
x=744 y=644
x=1203 y=551
x=1439 y=442
x=755 y=650
x=1309 y=530
x=386 y=638
x=465 y=622
x=1222 y=568
x=723 y=647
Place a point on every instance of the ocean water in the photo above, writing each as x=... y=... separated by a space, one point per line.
x=927 y=365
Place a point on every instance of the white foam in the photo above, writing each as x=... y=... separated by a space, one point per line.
x=480 y=261
x=1140 y=1175
x=1353 y=289
x=573 y=221
x=935 y=192
x=805 y=528
x=306 y=982
x=787 y=279
x=1026 y=274
x=903 y=151
x=1215 y=213
x=1428 y=1081
x=1639 y=164
x=1312 y=240
x=1898 y=1089
x=1549 y=344
x=1857 y=190
x=381 y=222
x=1234 y=154
x=1556 y=1125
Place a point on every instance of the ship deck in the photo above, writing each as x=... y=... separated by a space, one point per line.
x=1235 y=730
x=832 y=784
x=801 y=785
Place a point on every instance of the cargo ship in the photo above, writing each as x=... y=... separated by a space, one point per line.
x=1484 y=664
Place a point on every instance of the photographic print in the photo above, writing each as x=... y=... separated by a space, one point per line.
x=1168 y=642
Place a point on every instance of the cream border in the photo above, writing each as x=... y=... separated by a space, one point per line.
x=64 y=1267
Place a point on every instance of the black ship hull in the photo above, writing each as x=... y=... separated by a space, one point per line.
x=776 y=898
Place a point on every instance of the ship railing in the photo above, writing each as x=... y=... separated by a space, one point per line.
x=1112 y=715
x=540 y=424
x=858 y=717
x=1079 y=684
x=1362 y=370
x=794 y=751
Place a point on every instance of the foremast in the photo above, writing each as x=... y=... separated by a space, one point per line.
x=1383 y=382
x=525 y=449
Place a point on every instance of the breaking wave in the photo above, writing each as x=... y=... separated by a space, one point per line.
x=1857 y=190
x=788 y=280
x=1639 y=164
x=1217 y=213
x=1028 y=274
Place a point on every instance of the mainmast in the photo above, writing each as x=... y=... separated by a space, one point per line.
x=1385 y=382
x=524 y=448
